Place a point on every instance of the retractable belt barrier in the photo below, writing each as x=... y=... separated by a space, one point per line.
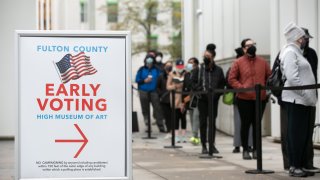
x=258 y=88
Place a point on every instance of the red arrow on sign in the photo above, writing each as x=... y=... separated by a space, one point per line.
x=84 y=141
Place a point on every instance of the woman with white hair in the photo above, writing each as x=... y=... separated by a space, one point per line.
x=298 y=103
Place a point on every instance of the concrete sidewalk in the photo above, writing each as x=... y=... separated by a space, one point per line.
x=151 y=161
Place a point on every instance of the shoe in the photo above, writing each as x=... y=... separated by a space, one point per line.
x=246 y=155
x=236 y=150
x=297 y=172
x=177 y=139
x=215 y=150
x=254 y=154
x=204 y=150
x=162 y=130
x=183 y=139
x=168 y=136
x=250 y=149
x=311 y=169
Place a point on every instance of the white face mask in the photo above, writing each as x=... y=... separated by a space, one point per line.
x=189 y=67
x=158 y=59
x=180 y=70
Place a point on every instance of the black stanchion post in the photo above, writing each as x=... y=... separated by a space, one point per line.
x=259 y=169
x=173 y=120
x=211 y=116
x=149 y=120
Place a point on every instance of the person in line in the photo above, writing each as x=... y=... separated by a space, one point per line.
x=311 y=56
x=191 y=83
x=236 y=116
x=159 y=64
x=246 y=72
x=146 y=78
x=211 y=77
x=298 y=103
x=175 y=82
x=164 y=95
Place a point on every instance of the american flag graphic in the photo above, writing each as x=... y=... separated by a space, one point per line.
x=74 y=67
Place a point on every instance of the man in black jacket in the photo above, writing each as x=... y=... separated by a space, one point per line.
x=311 y=55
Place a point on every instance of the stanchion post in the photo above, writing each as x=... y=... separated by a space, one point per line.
x=173 y=120
x=258 y=114
x=149 y=120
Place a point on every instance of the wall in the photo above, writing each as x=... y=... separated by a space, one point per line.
x=15 y=15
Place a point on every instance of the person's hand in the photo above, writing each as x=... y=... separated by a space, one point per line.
x=148 y=79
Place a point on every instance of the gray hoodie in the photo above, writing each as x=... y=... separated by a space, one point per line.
x=297 y=72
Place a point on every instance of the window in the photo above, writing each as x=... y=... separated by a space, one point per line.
x=176 y=13
x=112 y=10
x=83 y=11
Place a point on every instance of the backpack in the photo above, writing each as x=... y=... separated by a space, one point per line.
x=275 y=79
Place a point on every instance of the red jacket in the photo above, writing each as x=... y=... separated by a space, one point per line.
x=246 y=73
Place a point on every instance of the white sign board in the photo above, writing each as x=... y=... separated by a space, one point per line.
x=74 y=105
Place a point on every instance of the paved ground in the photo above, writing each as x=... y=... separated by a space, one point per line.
x=153 y=162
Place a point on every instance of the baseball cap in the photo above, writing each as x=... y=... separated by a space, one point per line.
x=179 y=64
x=307 y=35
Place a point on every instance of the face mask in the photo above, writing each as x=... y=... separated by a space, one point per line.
x=304 y=44
x=252 y=51
x=149 y=61
x=168 y=68
x=206 y=60
x=180 y=70
x=189 y=67
x=158 y=59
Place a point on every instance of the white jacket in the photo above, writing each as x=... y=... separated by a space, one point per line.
x=297 y=72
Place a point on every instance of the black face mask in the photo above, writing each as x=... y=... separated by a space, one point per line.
x=206 y=61
x=304 y=44
x=168 y=68
x=252 y=51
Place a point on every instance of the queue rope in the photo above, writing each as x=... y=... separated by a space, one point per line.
x=258 y=88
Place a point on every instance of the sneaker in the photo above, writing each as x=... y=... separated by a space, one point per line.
x=177 y=139
x=168 y=136
x=215 y=150
x=311 y=169
x=254 y=155
x=236 y=149
x=204 y=150
x=297 y=172
x=246 y=155
x=184 y=139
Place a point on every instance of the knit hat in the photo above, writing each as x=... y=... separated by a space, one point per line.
x=292 y=32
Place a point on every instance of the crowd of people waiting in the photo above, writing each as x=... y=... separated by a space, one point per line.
x=299 y=62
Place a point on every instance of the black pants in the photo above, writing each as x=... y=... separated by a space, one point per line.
x=166 y=109
x=180 y=116
x=203 y=116
x=309 y=153
x=298 y=128
x=284 y=132
x=247 y=110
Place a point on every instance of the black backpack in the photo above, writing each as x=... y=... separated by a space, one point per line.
x=275 y=79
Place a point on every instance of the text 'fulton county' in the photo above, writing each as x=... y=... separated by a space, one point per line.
x=58 y=48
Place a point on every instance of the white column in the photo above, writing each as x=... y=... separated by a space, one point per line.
x=188 y=29
x=274 y=47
